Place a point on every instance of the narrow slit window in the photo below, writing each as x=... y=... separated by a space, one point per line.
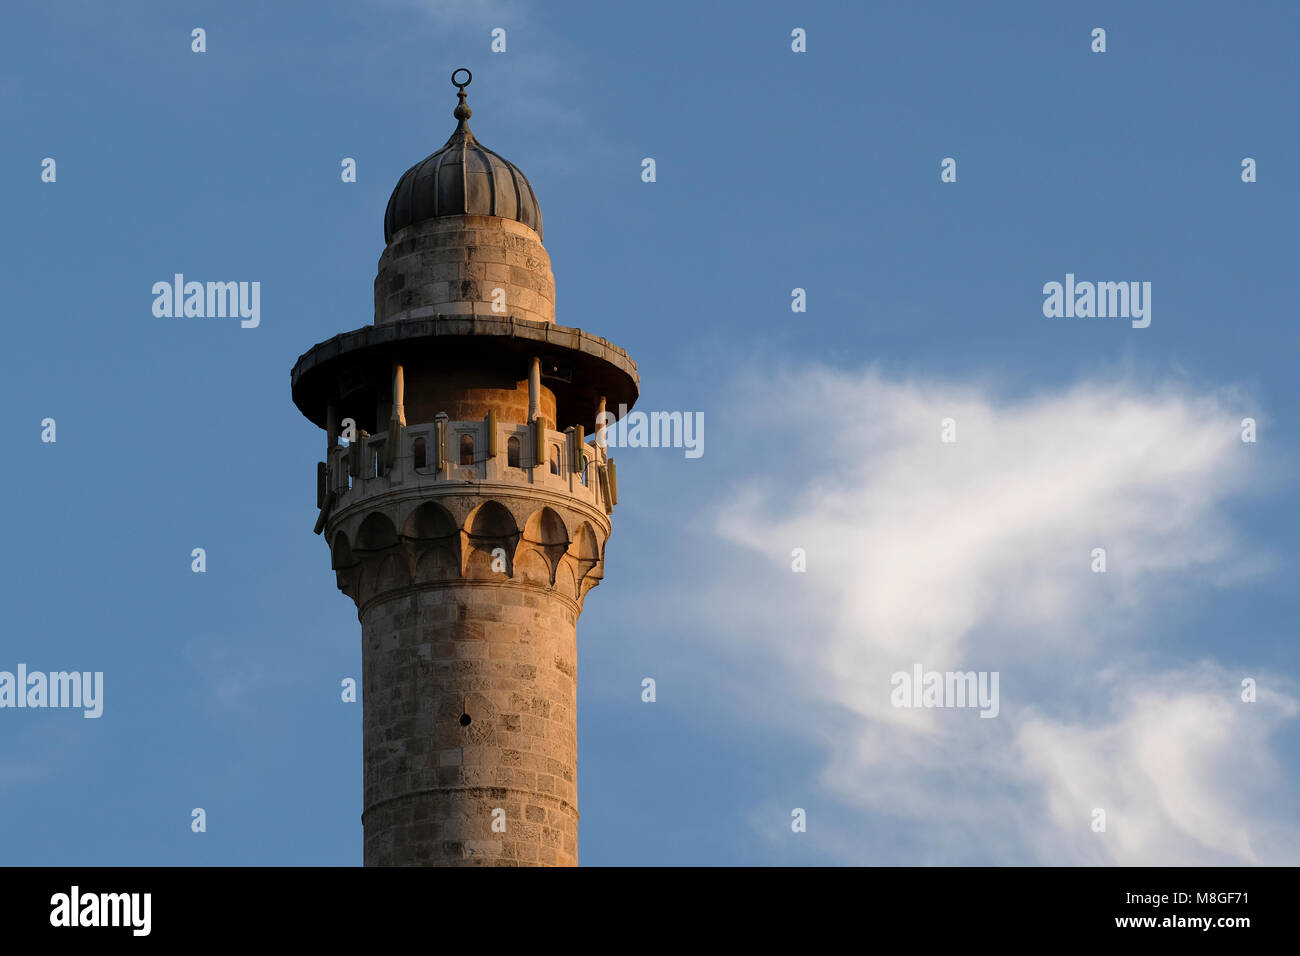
x=466 y=448
x=419 y=453
x=512 y=452
x=555 y=459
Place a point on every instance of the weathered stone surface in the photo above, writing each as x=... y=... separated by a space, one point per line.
x=467 y=534
x=453 y=264
x=469 y=602
x=432 y=781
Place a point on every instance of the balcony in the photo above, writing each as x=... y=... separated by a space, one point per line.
x=471 y=451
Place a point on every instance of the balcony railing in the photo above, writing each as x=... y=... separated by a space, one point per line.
x=445 y=451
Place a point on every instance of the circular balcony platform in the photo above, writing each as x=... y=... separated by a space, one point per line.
x=577 y=366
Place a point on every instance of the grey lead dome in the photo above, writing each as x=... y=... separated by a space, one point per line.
x=462 y=178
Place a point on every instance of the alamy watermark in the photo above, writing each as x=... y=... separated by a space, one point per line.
x=79 y=689
x=1101 y=300
x=75 y=908
x=652 y=430
x=922 y=688
x=210 y=300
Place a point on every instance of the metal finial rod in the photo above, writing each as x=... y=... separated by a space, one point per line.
x=462 y=111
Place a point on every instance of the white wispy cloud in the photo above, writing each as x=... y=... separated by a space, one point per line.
x=1183 y=769
x=976 y=556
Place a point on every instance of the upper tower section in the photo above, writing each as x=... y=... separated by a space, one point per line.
x=465 y=334
x=463 y=231
x=464 y=178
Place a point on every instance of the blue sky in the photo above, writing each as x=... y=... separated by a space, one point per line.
x=775 y=170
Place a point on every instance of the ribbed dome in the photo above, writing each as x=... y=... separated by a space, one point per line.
x=462 y=178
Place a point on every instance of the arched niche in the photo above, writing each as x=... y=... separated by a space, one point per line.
x=375 y=534
x=490 y=528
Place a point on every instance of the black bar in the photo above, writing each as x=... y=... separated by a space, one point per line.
x=556 y=908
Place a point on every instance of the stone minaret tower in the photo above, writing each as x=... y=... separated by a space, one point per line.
x=466 y=516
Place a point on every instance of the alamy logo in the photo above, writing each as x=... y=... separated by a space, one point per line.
x=1102 y=300
x=103 y=909
x=211 y=300
x=655 y=430
x=946 y=689
x=56 y=689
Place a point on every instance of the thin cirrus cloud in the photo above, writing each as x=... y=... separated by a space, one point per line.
x=976 y=555
x=1184 y=769
x=535 y=89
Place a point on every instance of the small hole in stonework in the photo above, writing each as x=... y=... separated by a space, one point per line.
x=464 y=720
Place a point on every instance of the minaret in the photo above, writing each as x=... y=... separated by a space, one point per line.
x=467 y=516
